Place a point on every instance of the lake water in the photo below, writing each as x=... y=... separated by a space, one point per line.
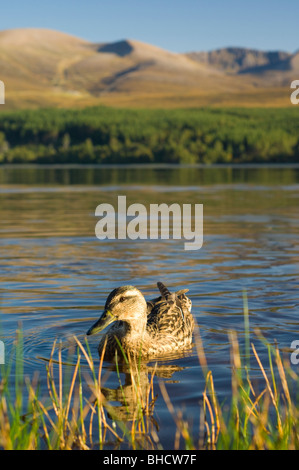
x=55 y=274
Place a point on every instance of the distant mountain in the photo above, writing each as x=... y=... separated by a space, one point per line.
x=238 y=59
x=42 y=67
x=273 y=68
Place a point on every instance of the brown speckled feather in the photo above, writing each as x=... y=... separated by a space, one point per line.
x=170 y=320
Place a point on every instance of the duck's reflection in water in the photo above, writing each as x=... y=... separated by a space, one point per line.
x=136 y=394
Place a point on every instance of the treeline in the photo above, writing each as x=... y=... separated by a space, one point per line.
x=108 y=135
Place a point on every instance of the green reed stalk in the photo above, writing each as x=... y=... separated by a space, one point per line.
x=59 y=420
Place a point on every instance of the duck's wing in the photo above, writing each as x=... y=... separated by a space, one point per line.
x=166 y=295
x=151 y=304
x=179 y=297
x=163 y=289
x=172 y=313
x=165 y=292
x=164 y=316
x=181 y=292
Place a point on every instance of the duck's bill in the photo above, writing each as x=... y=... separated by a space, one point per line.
x=103 y=321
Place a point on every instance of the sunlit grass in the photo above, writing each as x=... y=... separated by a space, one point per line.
x=76 y=412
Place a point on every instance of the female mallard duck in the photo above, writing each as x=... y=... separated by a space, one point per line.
x=153 y=328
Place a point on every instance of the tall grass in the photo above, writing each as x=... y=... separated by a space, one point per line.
x=76 y=412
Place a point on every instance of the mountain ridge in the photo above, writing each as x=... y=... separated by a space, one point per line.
x=43 y=67
x=239 y=59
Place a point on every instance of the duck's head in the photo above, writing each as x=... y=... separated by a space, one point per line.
x=124 y=303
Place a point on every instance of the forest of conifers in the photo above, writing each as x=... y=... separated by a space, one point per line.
x=109 y=135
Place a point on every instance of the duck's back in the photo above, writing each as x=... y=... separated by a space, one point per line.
x=170 y=322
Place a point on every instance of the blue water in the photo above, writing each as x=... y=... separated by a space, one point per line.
x=55 y=275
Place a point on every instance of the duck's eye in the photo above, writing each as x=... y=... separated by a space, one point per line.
x=122 y=299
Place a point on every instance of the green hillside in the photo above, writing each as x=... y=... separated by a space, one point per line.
x=109 y=135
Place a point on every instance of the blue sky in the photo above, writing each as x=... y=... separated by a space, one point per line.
x=179 y=26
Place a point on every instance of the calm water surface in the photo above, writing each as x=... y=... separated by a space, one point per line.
x=55 y=274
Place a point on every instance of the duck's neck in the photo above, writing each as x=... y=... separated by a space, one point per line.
x=134 y=330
